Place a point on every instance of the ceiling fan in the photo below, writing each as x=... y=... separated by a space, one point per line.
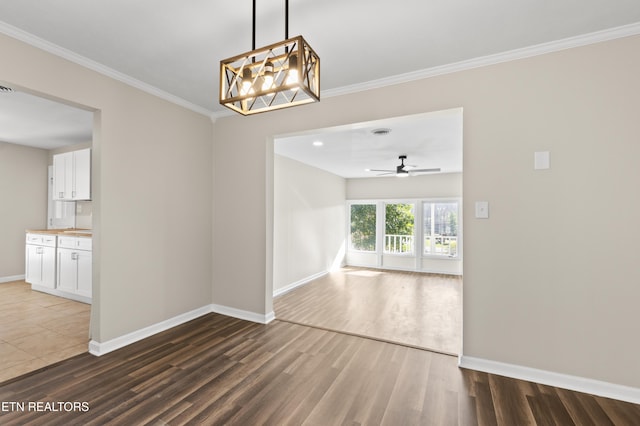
x=403 y=170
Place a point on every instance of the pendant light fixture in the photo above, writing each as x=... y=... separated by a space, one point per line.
x=277 y=76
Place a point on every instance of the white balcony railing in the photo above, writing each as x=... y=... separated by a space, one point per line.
x=441 y=245
x=398 y=244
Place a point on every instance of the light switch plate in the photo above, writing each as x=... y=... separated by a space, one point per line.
x=482 y=210
x=541 y=160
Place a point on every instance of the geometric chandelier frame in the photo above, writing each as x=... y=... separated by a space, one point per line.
x=277 y=76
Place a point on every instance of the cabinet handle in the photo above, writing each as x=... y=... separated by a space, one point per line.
x=39 y=250
x=74 y=256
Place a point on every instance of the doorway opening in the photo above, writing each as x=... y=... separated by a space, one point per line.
x=43 y=322
x=368 y=229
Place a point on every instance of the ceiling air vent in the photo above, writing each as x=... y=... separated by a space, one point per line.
x=381 y=132
x=4 y=89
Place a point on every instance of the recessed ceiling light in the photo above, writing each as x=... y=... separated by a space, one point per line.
x=317 y=143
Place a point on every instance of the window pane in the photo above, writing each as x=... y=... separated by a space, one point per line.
x=363 y=227
x=428 y=225
x=399 y=223
x=441 y=229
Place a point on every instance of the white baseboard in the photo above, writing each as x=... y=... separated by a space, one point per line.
x=101 y=348
x=11 y=278
x=298 y=283
x=243 y=315
x=565 y=381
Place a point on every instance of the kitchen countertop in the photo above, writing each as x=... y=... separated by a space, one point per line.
x=71 y=232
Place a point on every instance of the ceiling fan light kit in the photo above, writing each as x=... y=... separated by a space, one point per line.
x=403 y=170
x=276 y=76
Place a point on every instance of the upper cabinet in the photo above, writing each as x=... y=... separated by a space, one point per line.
x=72 y=175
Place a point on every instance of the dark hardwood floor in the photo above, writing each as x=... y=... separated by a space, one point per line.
x=220 y=370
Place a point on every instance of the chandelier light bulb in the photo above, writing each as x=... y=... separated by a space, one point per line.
x=292 y=74
x=267 y=76
x=247 y=84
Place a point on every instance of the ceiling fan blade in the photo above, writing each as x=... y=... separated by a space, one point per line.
x=424 y=170
x=386 y=174
x=378 y=170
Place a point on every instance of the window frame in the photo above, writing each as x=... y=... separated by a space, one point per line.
x=377 y=228
x=384 y=203
x=418 y=233
x=459 y=231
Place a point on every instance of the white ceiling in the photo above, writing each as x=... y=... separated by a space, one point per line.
x=40 y=123
x=173 y=48
x=432 y=140
x=176 y=46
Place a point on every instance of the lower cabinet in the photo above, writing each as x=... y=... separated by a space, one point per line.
x=74 y=271
x=40 y=261
x=74 y=266
x=59 y=265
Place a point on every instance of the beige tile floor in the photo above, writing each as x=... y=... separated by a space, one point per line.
x=38 y=329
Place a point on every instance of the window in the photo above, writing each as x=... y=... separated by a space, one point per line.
x=398 y=228
x=404 y=229
x=440 y=228
x=362 y=236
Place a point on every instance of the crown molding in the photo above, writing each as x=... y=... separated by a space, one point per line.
x=54 y=49
x=511 y=55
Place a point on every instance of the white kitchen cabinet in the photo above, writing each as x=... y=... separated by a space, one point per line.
x=74 y=267
x=40 y=261
x=82 y=174
x=72 y=175
x=62 y=176
x=60 y=214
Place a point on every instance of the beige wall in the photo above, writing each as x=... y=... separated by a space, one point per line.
x=152 y=209
x=544 y=286
x=68 y=148
x=309 y=222
x=23 y=205
x=444 y=185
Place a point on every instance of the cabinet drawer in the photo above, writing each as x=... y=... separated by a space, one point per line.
x=34 y=239
x=42 y=239
x=78 y=243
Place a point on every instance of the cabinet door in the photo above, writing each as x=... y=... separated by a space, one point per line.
x=84 y=273
x=82 y=174
x=48 y=267
x=33 y=264
x=67 y=269
x=60 y=175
